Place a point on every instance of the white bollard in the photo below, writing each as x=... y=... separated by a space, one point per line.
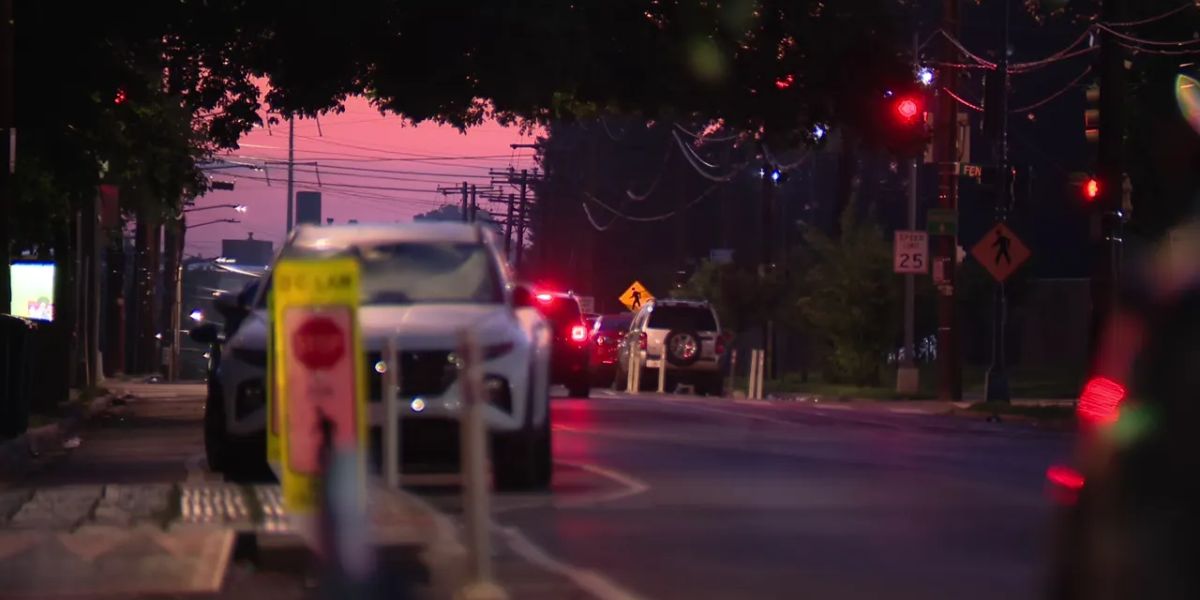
x=752 y=378
x=391 y=414
x=759 y=372
x=662 y=372
x=475 y=484
x=630 y=372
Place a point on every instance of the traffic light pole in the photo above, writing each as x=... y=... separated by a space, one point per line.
x=946 y=154
x=996 y=388
x=1110 y=159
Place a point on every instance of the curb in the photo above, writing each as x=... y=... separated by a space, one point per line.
x=17 y=456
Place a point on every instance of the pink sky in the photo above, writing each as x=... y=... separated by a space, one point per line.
x=357 y=153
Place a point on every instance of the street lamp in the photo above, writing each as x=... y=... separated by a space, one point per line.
x=213 y=221
x=237 y=207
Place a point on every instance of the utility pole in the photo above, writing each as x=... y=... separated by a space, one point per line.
x=1110 y=159
x=8 y=147
x=996 y=387
x=520 y=253
x=464 y=202
x=474 y=205
x=508 y=227
x=908 y=376
x=945 y=247
x=767 y=261
x=291 y=164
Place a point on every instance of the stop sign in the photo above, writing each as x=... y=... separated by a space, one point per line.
x=319 y=343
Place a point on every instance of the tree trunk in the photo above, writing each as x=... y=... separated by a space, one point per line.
x=64 y=295
x=114 y=310
x=146 y=276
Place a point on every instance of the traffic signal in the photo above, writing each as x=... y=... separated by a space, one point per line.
x=1091 y=189
x=1091 y=115
x=908 y=108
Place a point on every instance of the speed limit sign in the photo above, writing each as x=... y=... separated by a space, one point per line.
x=911 y=252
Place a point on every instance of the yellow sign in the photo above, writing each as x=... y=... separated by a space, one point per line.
x=636 y=296
x=318 y=401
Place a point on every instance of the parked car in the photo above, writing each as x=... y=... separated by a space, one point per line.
x=607 y=334
x=683 y=333
x=571 y=351
x=422 y=283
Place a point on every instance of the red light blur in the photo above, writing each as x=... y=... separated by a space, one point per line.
x=1065 y=483
x=119 y=98
x=1100 y=401
x=642 y=340
x=1091 y=189
x=785 y=82
x=907 y=108
x=544 y=298
x=579 y=333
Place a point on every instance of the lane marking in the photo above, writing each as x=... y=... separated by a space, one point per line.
x=590 y=581
x=631 y=487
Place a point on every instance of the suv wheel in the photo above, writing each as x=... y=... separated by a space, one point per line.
x=682 y=348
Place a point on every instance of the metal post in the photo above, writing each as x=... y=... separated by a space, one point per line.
x=732 y=371
x=945 y=247
x=474 y=472
x=907 y=376
x=391 y=414
x=662 y=372
x=524 y=211
x=474 y=204
x=762 y=364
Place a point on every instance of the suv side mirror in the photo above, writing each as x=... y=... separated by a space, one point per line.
x=522 y=297
x=205 y=333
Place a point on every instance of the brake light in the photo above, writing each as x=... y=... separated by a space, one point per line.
x=1100 y=400
x=544 y=298
x=578 y=333
x=720 y=345
x=642 y=340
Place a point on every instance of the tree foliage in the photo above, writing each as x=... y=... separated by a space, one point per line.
x=741 y=297
x=851 y=299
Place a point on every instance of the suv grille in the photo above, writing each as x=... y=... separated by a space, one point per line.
x=426 y=373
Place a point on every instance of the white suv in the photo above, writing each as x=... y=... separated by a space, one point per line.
x=422 y=284
x=683 y=333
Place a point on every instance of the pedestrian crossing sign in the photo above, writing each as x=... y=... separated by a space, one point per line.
x=636 y=296
x=1001 y=252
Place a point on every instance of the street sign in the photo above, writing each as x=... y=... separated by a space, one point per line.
x=969 y=170
x=636 y=296
x=941 y=221
x=910 y=252
x=317 y=365
x=721 y=256
x=1000 y=252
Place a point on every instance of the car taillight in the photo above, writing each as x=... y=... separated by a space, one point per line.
x=578 y=333
x=642 y=340
x=720 y=345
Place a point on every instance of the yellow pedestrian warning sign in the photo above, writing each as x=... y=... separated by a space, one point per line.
x=318 y=400
x=1001 y=252
x=636 y=296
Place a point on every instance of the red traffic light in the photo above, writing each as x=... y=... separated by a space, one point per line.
x=1091 y=189
x=907 y=108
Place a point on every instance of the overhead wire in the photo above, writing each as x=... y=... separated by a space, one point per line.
x=1148 y=20
x=629 y=193
x=1145 y=42
x=1056 y=94
x=660 y=217
x=696 y=162
x=962 y=101
x=706 y=138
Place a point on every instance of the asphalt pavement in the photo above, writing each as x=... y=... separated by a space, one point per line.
x=716 y=499
x=681 y=497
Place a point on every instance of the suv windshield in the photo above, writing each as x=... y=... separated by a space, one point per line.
x=695 y=318
x=420 y=272
x=614 y=323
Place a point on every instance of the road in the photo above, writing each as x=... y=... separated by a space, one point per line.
x=691 y=498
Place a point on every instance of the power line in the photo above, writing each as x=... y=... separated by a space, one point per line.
x=1147 y=20
x=1146 y=42
x=695 y=160
x=660 y=217
x=963 y=101
x=1051 y=97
